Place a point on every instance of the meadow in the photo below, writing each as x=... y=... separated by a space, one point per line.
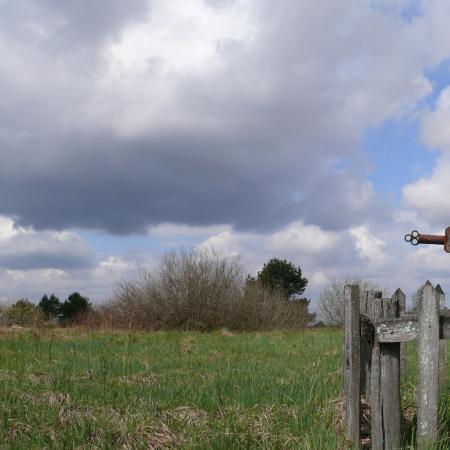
x=81 y=389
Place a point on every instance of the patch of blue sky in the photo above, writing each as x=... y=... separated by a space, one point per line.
x=439 y=78
x=394 y=149
x=407 y=10
x=397 y=156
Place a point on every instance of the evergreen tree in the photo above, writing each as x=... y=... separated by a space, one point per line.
x=51 y=307
x=279 y=274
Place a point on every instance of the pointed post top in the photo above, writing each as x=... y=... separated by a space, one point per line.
x=440 y=295
x=425 y=287
x=399 y=294
x=400 y=297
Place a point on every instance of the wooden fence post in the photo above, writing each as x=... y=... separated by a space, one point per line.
x=442 y=344
x=428 y=348
x=352 y=363
x=367 y=298
x=401 y=298
x=385 y=382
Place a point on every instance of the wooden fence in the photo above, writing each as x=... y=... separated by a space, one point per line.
x=376 y=329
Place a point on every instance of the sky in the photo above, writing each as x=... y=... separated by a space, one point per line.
x=312 y=131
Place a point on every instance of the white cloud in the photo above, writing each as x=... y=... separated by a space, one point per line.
x=226 y=242
x=429 y=196
x=180 y=36
x=369 y=247
x=435 y=129
x=7 y=229
x=22 y=248
x=313 y=249
x=318 y=281
x=303 y=239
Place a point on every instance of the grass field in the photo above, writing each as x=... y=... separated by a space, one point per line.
x=67 y=389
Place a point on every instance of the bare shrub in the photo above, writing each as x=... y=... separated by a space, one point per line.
x=198 y=290
x=189 y=290
x=331 y=302
x=261 y=308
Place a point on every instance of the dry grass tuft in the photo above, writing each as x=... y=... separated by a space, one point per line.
x=339 y=416
x=162 y=437
x=16 y=428
x=188 y=415
x=40 y=379
x=187 y=344
x=8 y=375
x=139 y=379
x=55 y=398
x=69 y=414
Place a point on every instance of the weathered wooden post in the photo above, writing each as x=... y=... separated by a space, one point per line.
x=385 y=382
x=352 y=363
x=442 y=344
x=367 y=298
x=401 y=298
x=428 y=348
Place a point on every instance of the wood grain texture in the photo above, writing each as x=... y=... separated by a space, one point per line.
x=442 y=344
x=366 y=300
x=352 y=363
x=406 y=328
x=428 y=349
x=400 y=296
x=385 y=383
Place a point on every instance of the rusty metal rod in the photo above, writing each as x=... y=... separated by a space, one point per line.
x=432 y=239
x=415 y=238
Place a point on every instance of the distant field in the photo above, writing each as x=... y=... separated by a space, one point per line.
x=75 y=389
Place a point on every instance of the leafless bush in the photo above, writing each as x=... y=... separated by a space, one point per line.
x=189 y=290
x=331 y=302
x=264 y=309
x=198 y=290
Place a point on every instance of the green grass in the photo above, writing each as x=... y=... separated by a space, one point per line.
x=67 y=389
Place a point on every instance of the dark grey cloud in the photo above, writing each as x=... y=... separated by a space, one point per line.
x=251 y=142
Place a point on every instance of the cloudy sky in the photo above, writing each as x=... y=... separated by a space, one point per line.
x=313 y=131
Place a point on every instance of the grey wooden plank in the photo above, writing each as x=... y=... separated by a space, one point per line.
x=401 y=330
x=352 y=363
x=428 y=349
x=385 y=388
x=406 y=328
x=442 y=344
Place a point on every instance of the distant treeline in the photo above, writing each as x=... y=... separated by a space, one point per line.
x=50 y=310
